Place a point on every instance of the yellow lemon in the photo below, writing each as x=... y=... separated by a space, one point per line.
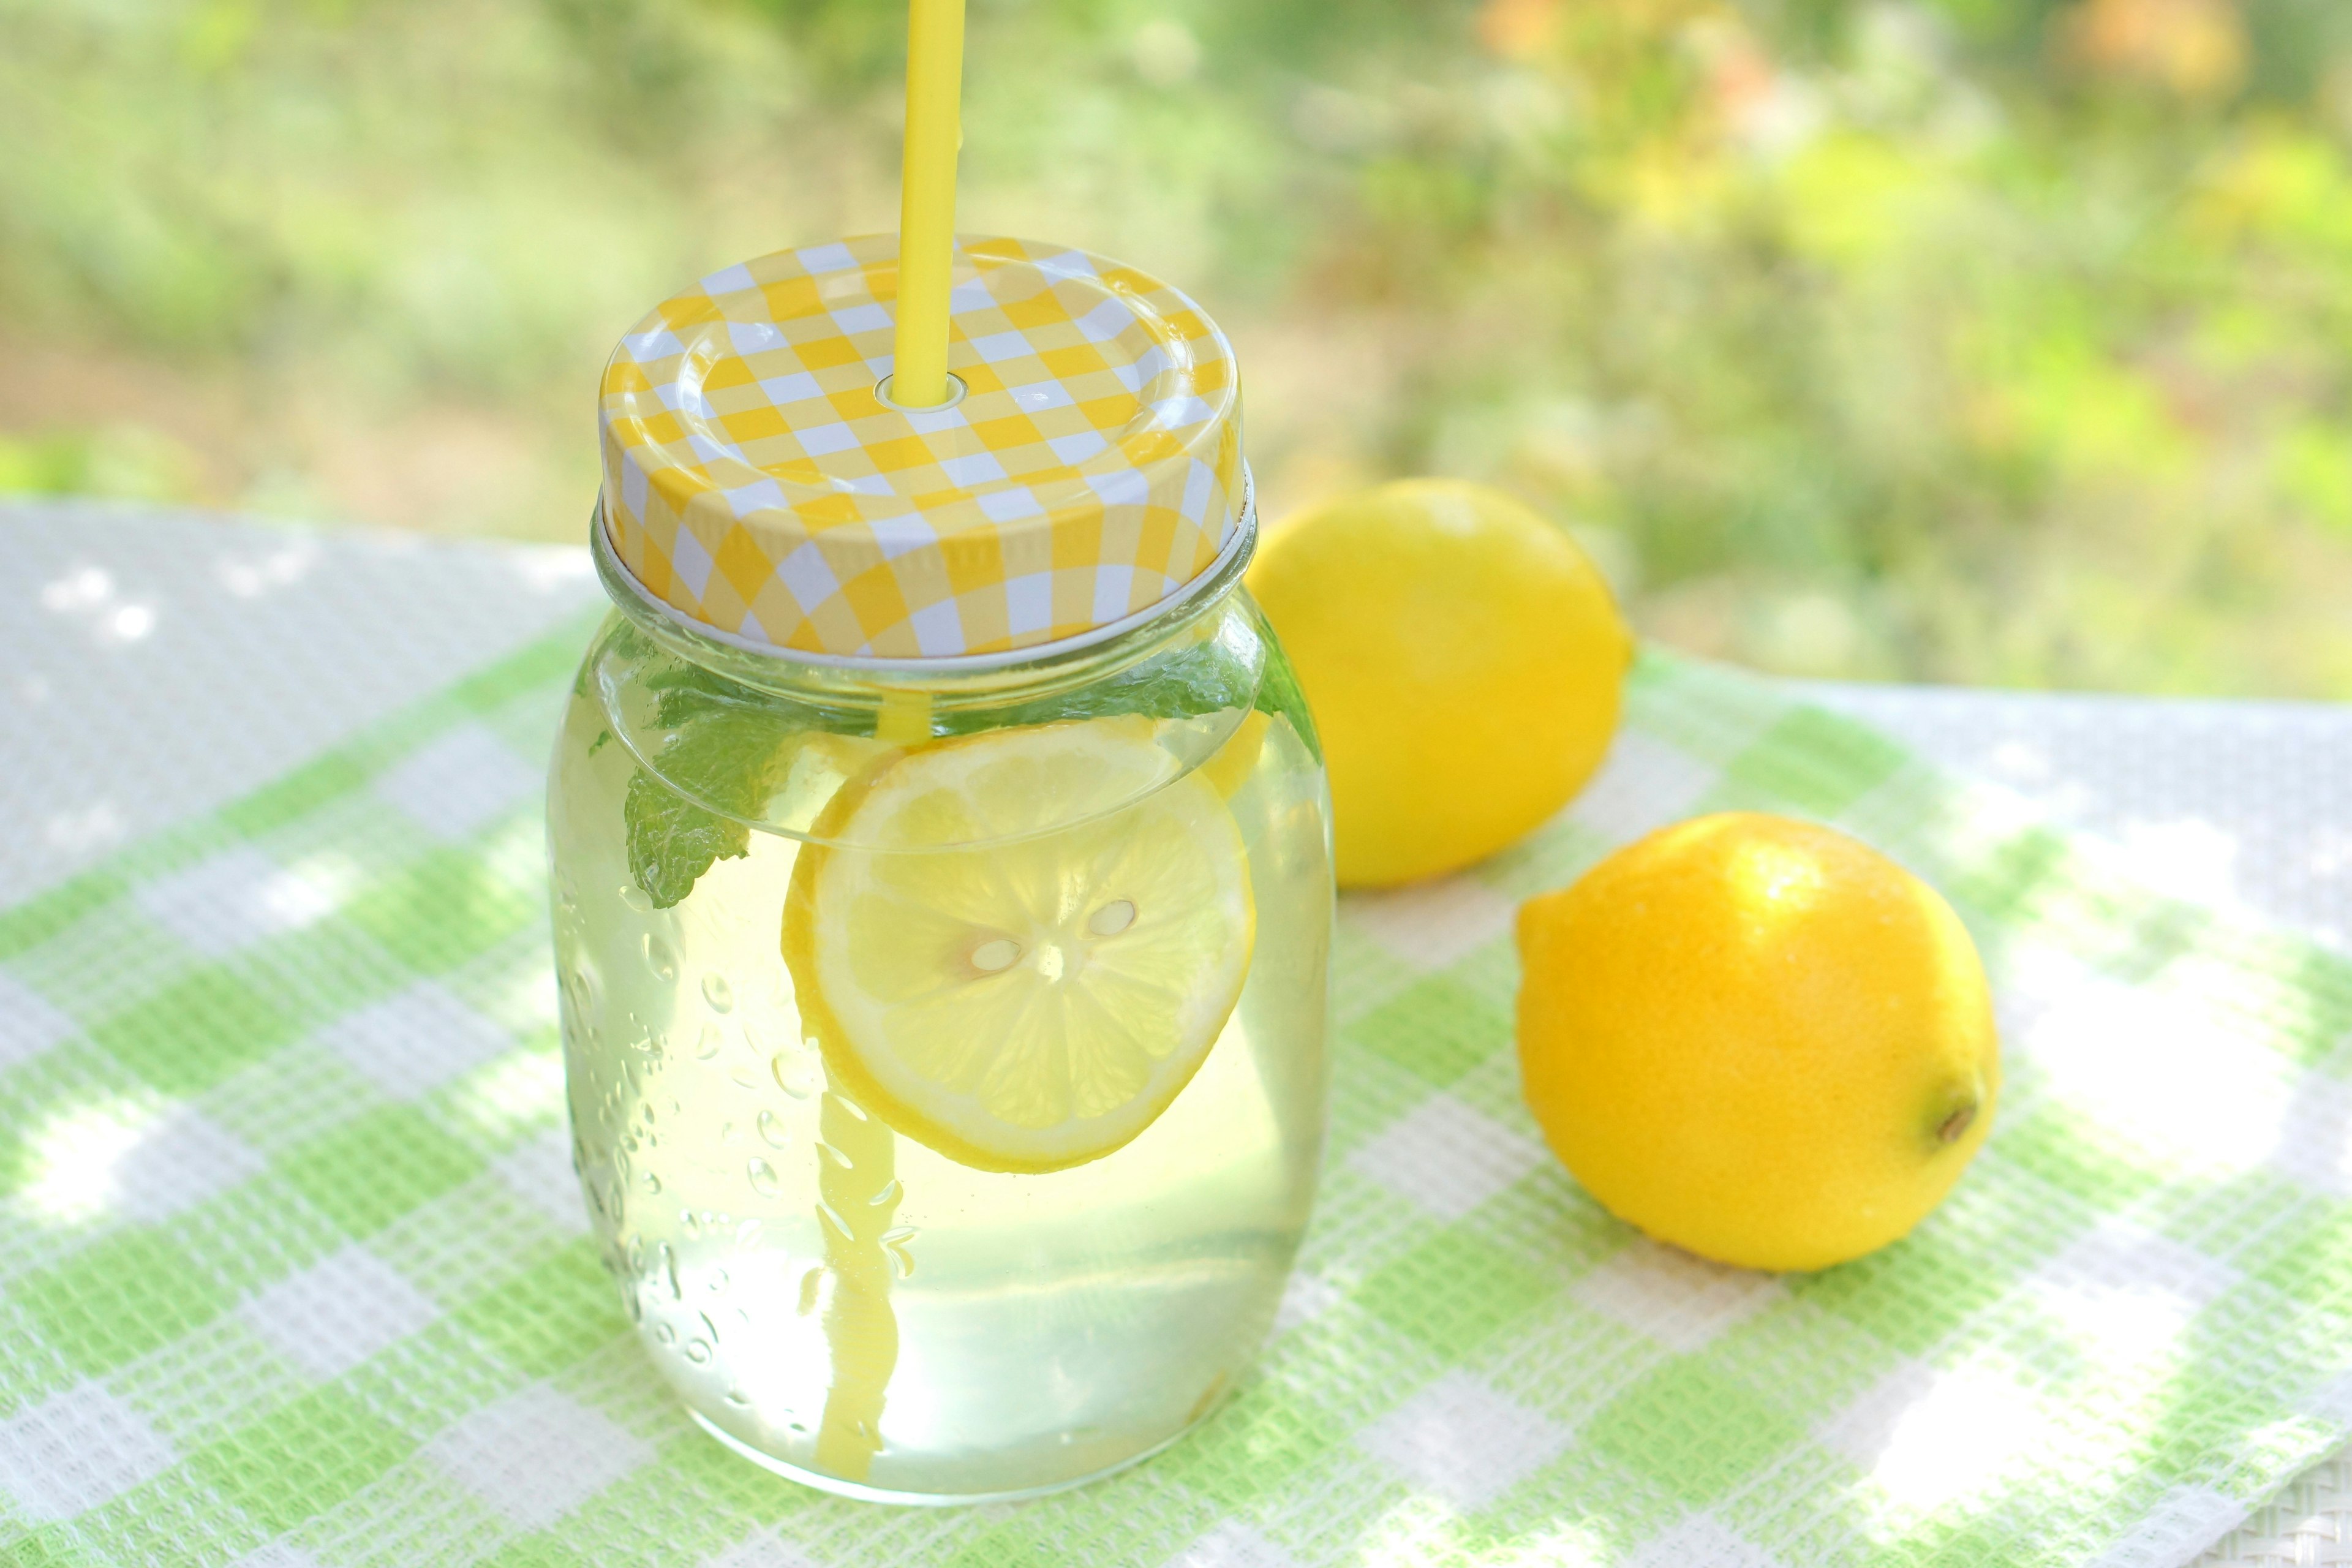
x=1022 y=943
x=1757 y=1039
x=1463 y=659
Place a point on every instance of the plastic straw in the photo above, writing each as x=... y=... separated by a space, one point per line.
x=859 y=1193
x=856 y=1184
x=927 y=200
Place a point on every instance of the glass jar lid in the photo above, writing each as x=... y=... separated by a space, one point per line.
x=760 y=483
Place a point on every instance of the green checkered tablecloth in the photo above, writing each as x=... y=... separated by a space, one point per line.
x=295 y=1272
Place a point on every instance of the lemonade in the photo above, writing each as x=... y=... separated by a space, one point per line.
x=943 y=871
x=877 y=1276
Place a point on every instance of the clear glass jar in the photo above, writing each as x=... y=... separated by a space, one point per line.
x=945 y=1037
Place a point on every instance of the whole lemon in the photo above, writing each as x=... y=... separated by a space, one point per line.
x=1757 y=1039
x=1463 y=659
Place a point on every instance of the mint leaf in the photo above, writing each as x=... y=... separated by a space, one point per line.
x=1279 y=694
x=725 y=753
x=686 y=695
x=673 y=841
x=725 y=741
x=1198 y=680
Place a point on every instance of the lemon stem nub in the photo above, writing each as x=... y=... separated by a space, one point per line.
x=1956 y=1124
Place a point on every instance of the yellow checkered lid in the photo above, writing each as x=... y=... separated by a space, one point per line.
x=757 y=482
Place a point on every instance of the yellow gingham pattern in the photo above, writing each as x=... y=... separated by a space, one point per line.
x=756 y=483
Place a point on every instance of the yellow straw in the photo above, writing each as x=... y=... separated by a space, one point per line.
x=927 y=200
x=856 y=1185
x=859 y=1197
x=905 y=719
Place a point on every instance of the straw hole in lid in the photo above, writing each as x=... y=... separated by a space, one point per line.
x=956 y=390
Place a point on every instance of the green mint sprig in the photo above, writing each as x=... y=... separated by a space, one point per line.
x=726 y=741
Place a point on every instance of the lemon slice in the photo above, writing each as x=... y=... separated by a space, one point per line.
x=1036 y=1002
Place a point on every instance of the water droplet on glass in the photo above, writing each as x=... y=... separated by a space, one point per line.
x=696 y=1352
x=718 y=992
x=772 y=1130
x=717 y=1285
x=660 y=958
x=669 y=1271
x=794 y=1075
x=636 y=899
x=836 y=1156
x=737 y=1398
x=707 y=1043
x=690 y=1224
x=743 y=1076
x=764 y=1177
x=636 y=1255
x=1112 y=918
x=665 y=1334
x=898 y=1246
x=811 y=1282
x=652 y=1183
x=888 y=1194
x=746 y=1231
x=708 y=1327
x=580 y=988
x=729 y=1133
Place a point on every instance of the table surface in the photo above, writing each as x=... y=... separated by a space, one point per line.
x=152 y=634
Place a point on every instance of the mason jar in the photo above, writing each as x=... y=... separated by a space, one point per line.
x=943 y=995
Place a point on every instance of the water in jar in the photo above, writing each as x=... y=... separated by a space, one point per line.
x=847 y=1303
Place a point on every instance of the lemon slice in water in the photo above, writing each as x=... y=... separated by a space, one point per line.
x=1035 y=1003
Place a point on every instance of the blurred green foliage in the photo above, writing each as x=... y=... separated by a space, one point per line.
x=1999 y=341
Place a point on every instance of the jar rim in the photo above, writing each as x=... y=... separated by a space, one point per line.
x=1206 y=587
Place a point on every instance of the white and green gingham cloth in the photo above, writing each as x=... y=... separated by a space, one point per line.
x=293 y=1271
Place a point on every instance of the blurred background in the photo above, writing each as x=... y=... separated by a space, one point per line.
x=1989 y=340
